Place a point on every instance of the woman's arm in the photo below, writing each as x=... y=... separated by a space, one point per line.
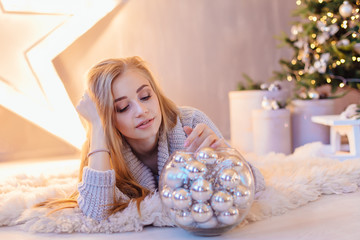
x=97 y=160
x=96 y=193
x=96 y=190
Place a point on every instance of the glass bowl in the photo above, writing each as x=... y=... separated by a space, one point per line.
x=207 y=192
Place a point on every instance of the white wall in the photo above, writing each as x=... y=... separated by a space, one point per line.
x=197 y=49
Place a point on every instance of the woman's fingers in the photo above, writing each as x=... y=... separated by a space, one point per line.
x=218 y=143
x=188 y=130
x=195 y=144
x=195 y=133
x=209 y=140
x=87 y=109
x=201 y=136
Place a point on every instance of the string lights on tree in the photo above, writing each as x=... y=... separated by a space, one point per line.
x=326 y=45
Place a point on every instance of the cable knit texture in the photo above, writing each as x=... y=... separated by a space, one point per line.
x=96 y=191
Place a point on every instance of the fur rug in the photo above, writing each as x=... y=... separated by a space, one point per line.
x=291 y=181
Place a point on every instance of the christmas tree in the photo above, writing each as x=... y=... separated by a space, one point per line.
x=326 y=44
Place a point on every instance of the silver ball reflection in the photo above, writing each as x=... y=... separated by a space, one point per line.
x=181 y=158
x=241 y=196
x=233 y=162
x=246 y=179
x=184 y=218
x=221 y=201
x=229 y=178
x=166 y=196
x=195 y=169
x=206 y=155
x=174 y=177
x=181 y=198
x=201 y=190
x=201 y=212
x=230 y=216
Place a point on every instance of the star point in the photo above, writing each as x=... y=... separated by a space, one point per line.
x=33 y=34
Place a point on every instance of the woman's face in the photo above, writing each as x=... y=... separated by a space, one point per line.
x=138 y=115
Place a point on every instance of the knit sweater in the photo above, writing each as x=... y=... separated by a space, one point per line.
x=96 y=190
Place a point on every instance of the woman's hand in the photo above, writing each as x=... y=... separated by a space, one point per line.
x=87 y=109
x=201 y=136
x=97 y=140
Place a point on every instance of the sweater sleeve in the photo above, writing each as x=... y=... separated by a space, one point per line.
x=96 y=192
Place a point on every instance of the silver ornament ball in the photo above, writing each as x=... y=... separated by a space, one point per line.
x=195 y=169
x=206 y=155
x=264 y=86
x=313 y=94
x=357 y=48
x=184 y=218
x=229 y=178
x=201 y=212
x=246 y=178
x=345 y=9
x=221 y=201
x=175 y=177
x=181 y=158
x=166 y=196
x=231 y=162
x=229 y=217
x=266 y=103
x=201 y=190
x=241 y=196
x=181 y=198
x=343 y=42
x=274 y=87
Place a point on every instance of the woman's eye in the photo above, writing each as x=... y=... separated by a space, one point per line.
x=145 y=98
x=120 y=110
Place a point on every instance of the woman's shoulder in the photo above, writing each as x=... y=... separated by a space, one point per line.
x=186 y=109
x=190 y=114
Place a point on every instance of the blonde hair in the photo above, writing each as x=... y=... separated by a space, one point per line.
x=100 y=79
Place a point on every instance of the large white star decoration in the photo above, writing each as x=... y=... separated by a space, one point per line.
x=32 y=34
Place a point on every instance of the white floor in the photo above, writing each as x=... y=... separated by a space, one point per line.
x=331 y=217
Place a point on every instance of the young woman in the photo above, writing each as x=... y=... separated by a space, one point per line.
x=132 y=130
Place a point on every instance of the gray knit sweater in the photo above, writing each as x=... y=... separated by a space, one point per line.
x=96 y=191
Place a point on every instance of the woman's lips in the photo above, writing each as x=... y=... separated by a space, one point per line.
x=145 y=124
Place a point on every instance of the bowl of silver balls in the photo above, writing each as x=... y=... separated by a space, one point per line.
x=207 y=192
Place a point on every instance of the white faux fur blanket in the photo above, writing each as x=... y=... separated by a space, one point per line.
x=291 y=181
